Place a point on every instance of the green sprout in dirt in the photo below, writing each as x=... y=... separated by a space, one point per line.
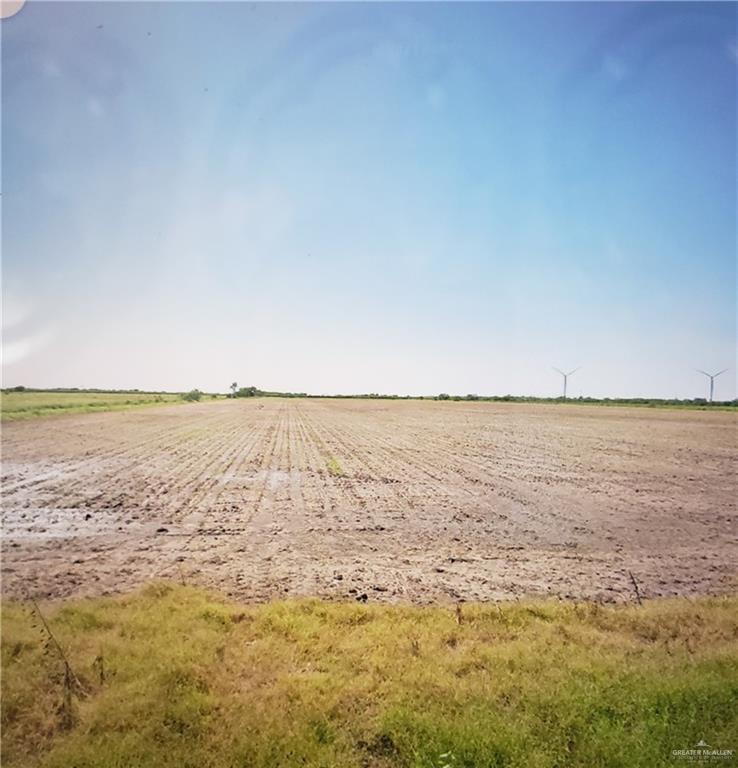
x=334 y=468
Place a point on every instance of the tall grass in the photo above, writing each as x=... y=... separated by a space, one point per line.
x=191 y=679
x=28 y=405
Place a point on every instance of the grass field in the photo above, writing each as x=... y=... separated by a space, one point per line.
x=175 y=676
x=28 y=405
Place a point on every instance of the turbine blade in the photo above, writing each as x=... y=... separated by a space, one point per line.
x=559 y=370
x=704 y=373
x=720 y=372
x=574 y=371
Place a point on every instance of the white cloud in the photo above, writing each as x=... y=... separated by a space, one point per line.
x=15 y=351
x=16 y=309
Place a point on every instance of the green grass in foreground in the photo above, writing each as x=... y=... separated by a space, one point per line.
x=28 y=405
x=189 y=679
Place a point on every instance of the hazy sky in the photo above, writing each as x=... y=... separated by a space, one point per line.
x=408 y=198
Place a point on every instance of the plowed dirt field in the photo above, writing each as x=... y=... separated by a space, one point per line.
x=395 y=500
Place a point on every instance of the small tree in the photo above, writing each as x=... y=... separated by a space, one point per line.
x=443 y=396
x=234 y=387
x=193 y=395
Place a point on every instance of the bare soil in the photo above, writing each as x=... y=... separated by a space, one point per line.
x=396 y=500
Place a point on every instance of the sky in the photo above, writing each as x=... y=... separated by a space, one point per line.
x=342 y=198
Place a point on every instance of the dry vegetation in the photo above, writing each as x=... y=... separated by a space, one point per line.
x=174 y=676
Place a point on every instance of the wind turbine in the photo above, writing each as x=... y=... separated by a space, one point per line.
x=712 y=377
x=565 y=375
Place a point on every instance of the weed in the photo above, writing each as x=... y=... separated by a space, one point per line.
x=71 y=685
x=334 y=468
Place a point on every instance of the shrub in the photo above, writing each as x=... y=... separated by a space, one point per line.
x=192 y=395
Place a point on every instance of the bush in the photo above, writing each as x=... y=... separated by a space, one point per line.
x=443 y=396
x=192 y=395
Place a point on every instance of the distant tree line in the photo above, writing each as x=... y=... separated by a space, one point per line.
x=246 y=392
x=652 y=401
x=256 y=392
x=236 y=391
x=645 y=401
x=88 y=390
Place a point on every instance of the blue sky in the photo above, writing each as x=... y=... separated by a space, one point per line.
x=406 y=198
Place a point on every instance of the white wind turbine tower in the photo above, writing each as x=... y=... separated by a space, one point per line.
x=712 y=377
x=566 y=376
